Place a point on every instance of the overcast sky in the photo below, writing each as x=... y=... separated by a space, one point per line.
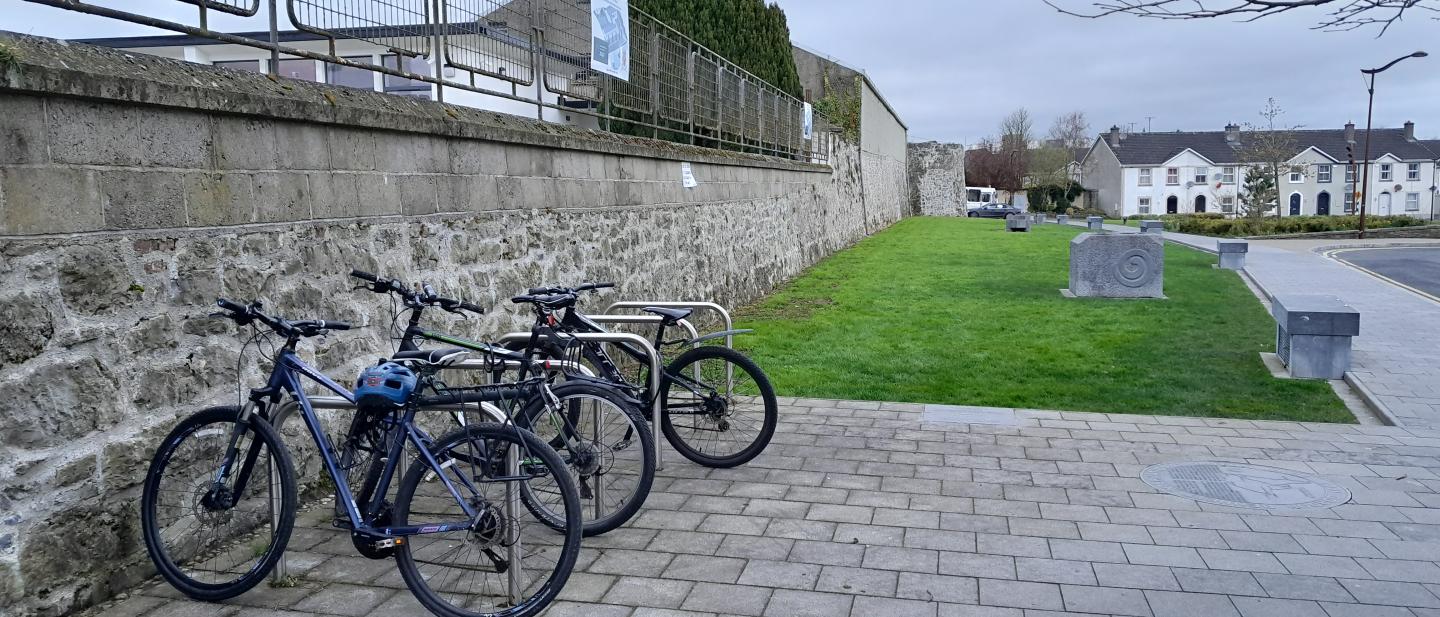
x=954 y=68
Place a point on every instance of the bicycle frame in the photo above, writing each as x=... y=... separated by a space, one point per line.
x=285 y=379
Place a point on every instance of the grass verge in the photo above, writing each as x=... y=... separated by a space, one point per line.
x=949 y=310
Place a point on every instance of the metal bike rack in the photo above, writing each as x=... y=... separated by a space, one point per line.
x=618 y=337
x=709 y=306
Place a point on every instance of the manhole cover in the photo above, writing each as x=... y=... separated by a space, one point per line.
x=1244 y=486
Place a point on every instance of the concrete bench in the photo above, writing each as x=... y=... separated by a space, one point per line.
x=1017 y=222
x=1232 y=253
x=1312 y=334
x=1095 y=223
x=1151 y=227
x=1062 y=219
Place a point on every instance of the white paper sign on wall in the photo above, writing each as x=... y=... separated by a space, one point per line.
x=808 y=127
x=610 y=37
x=687 y=176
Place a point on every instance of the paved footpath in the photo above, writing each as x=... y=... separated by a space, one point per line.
x=1397 y=355
x=869 y=509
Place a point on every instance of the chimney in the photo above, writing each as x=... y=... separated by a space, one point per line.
x=1349 y=132
x=1232 y=133
x=1114 y=135
x=1409 y=131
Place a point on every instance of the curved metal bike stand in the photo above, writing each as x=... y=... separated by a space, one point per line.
x=708 y=306
x=619 y=337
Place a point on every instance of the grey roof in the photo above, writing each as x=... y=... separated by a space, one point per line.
x=1433 y=145
x=1156 y=148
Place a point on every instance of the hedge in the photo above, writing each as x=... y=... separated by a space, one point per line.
x=1214 y=224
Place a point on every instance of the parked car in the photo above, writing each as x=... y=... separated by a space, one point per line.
x=992 y=211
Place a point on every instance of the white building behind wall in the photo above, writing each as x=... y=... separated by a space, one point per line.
x=1202 y=171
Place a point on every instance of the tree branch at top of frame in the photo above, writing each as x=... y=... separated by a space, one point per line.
x=1340 y=15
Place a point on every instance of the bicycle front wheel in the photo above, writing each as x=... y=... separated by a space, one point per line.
x=501 y=562
x=718 y=408
x=215 y=528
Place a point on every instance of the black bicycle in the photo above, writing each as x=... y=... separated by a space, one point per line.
x=717 y=407
x=219 y=500
x=598 y=430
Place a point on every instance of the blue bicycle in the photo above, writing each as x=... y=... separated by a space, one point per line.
x=219 y=500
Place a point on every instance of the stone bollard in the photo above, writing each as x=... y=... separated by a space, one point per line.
x=1017 y=222
x=1062 y=219
x=1040 y=218
x=1095 y=223
x=1152 y=227
x=1232 y=254
x=1312 y=334
x=1117 y=266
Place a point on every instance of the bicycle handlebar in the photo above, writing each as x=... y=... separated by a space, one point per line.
x=570 y=290
x=426 y=296
x=245 y=314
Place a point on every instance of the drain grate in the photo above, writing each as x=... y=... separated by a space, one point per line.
x=1245 y=486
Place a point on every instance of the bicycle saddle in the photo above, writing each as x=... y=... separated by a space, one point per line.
x=440 y=357
x=670 y=314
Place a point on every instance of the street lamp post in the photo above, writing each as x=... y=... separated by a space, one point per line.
x=1369 y=118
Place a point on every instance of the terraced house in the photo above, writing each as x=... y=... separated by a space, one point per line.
x=1204 y=171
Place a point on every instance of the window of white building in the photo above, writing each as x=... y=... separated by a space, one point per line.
x=1144 y=205
x=1385 y=173
x=243 y=65
x=1412 y=202
x=1296 y=176
x=1201 y=175
x=1227 y=175
x=1350 y=174
x=1349 y=202
x=342 y=75
x=1172 y=176
x=296 y=68
x=1145 y=176
x=1227 y=203
x=1412 y=171
x=1322 y=174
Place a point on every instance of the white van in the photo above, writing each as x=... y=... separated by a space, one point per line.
x=976 y=196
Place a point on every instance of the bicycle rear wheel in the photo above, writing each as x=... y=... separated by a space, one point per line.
x=212 y=539
x=608 y=446
x=717 y=407
x=504 y=562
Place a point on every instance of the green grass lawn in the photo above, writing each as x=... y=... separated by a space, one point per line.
x=948 y=310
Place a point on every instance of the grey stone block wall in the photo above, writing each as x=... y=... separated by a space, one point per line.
x=937 y=179
x=134 y=191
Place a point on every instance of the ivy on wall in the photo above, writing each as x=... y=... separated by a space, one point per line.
x=749 y=33
x=841 y=105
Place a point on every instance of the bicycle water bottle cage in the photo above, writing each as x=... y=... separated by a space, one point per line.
x=385 y=385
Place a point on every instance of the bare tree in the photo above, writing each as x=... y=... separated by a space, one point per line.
x=991 y=164
x=1015 y=131
x=1071 y=131
x=1339 y=14
x=1268 y=146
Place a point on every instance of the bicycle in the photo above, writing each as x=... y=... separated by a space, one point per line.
x=221 y=471
x=602 y=435
x=717 y=407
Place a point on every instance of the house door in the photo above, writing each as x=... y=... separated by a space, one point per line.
x=1199 y=203
x=1172 y=205
x=1384 y=208
x=1294 y=204
x=1322 y=204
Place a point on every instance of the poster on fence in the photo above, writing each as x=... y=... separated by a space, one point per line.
x=610 y=37
x=807 y=126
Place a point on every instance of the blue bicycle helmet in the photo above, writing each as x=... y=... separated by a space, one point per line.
x=385 y=385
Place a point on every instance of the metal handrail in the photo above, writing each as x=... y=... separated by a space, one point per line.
x=618 y=337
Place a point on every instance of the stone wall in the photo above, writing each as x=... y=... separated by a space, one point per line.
x=135 y=190
x=937 y=179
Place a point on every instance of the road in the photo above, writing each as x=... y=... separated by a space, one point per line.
x=1418 y=267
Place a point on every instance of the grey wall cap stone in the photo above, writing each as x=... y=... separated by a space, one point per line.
x=1151 y=227
x=1315 y=314
x=1232 y=246
x=1094 y=219
x=1017 y=222
x=53 y=67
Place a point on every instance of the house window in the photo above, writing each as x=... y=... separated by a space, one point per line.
x=242 y=65
x=1227 y=203
x=296 y=68
x=405 y=85
x=1412 y=171
x=1201 y=175
x=1144 y=205
x=1322 y=174
x=1349 y=202
x=1172 y=176
x=1385 y=173
x=1412 y=202
x=1296 y=177
x=342 y=75
x=1350 y=174
x=1227 y=175
x=1145 y=177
